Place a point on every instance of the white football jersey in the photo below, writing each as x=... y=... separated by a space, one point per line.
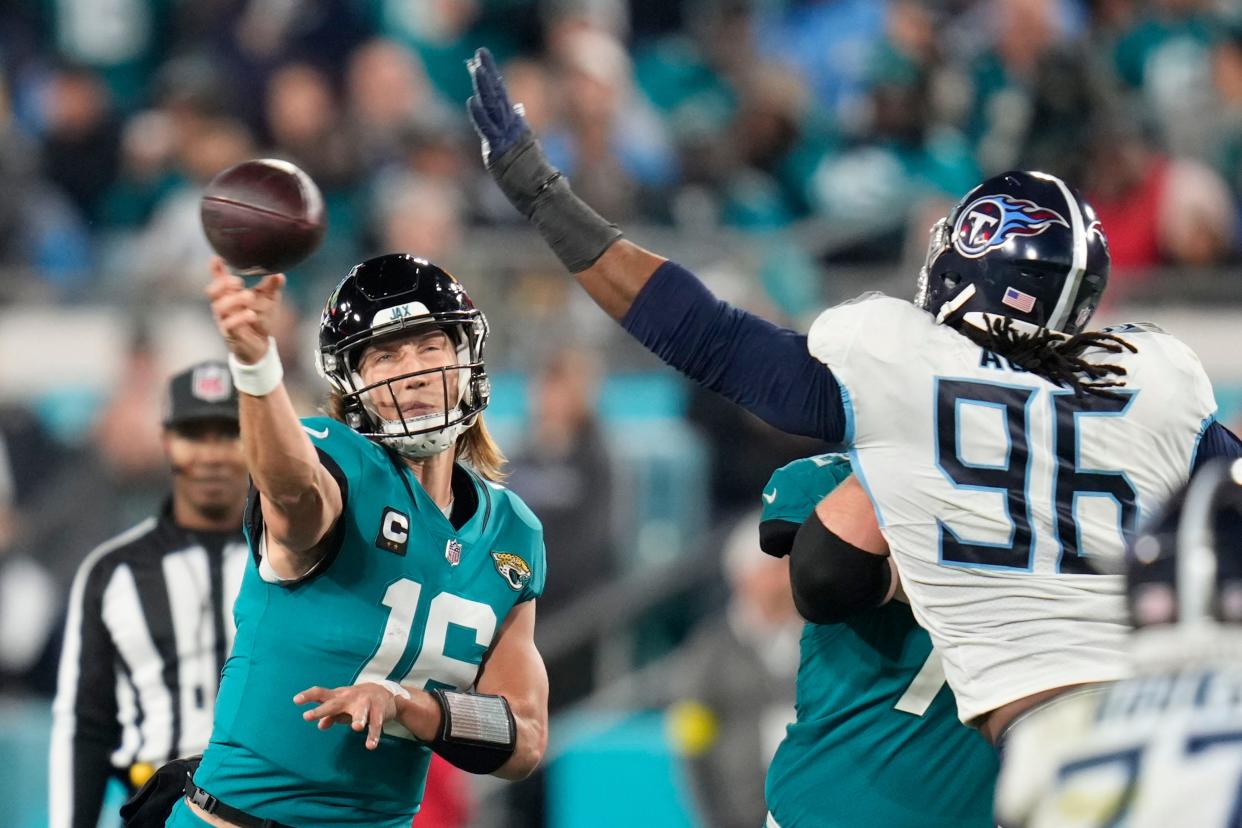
x=1149 y=752
x=1000 y=493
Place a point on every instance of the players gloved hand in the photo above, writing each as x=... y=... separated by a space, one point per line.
x=510 y=151
x=501 y=125
x=367 y=706
x=575 y=232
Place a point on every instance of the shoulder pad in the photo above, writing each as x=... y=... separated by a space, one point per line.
x=321 y=428
x=795 y=488
x=516 y=505
x=809 y=467
x=1133 y=327
x=872 y=315
x=863 y=297
x=348 y=449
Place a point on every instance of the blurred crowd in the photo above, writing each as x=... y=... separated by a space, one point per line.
x=851 y=124
x=853 y=121
x=858 y=115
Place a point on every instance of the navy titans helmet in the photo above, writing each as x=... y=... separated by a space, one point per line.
x=399 y=294
x=1185 y=570
x=1023 y=245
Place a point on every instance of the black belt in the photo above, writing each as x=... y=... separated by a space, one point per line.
x=217 y=808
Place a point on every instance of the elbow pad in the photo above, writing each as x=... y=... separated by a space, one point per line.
x=833 y=579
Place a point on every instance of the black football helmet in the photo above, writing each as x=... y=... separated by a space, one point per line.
x=1186 y=568
x=1023 y=245
x=401 y=294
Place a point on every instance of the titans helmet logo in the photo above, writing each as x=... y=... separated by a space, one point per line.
x=988 y=222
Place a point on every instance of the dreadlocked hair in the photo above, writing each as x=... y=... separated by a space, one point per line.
x=1053 y=357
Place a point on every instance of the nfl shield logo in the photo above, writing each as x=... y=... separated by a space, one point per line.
x=211 y=383
x=452 y=552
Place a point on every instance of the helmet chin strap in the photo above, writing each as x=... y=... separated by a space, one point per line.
x=422 y=446
x=982 y=320
x=426 y=444
x=950 y=307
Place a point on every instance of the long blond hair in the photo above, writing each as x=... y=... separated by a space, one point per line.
x=475 y=447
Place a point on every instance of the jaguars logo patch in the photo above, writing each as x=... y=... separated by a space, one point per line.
x=513 y=569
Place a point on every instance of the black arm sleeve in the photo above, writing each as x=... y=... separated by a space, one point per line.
x=763 y=368
x=833 y=579
x=1217 y=441
x=86 y=705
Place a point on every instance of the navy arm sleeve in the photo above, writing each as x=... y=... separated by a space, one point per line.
x=763 y=368
x=1217 y=441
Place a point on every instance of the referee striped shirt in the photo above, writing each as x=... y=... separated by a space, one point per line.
x=150 y=623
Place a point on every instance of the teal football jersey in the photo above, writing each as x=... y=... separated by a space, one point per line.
x=876 y=740
x=403 y=595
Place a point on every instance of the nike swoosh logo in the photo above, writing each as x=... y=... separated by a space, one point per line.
x=318 y=435
x=770 y=498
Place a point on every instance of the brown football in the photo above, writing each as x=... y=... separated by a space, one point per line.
x=263 y=216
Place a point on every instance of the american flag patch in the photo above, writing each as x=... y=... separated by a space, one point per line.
x=1018 y=300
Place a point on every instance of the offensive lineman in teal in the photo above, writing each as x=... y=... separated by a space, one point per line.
x=877 y=740
x=392 y=585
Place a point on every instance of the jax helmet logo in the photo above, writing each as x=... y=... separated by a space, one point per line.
x=988 y=222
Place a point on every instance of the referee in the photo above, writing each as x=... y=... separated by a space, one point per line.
x=151 y=613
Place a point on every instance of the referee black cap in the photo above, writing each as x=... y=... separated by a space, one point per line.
x=203 y=391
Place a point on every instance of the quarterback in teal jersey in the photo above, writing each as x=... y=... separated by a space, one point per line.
x=877 y=740
x=392 y=583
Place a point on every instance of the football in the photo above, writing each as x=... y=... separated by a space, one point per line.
x=263 y=216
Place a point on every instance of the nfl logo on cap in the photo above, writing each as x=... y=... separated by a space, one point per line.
x=452 y=552
x=211 y=383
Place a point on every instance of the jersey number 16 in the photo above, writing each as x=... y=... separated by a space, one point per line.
x=432 y=664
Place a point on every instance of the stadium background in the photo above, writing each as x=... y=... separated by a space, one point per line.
x=792 y=152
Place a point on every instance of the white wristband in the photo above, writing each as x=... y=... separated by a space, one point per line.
x=260 y=379
x=394 y=688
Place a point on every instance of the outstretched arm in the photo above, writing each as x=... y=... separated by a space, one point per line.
x=760 y=366
x=618 y=276
x=299 y=497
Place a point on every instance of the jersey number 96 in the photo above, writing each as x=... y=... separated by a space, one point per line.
x=1012 y=476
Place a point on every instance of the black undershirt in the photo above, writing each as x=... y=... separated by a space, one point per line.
x=465 y=497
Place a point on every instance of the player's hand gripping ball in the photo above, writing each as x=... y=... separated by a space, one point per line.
x=263 y=216
x=244 y=315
